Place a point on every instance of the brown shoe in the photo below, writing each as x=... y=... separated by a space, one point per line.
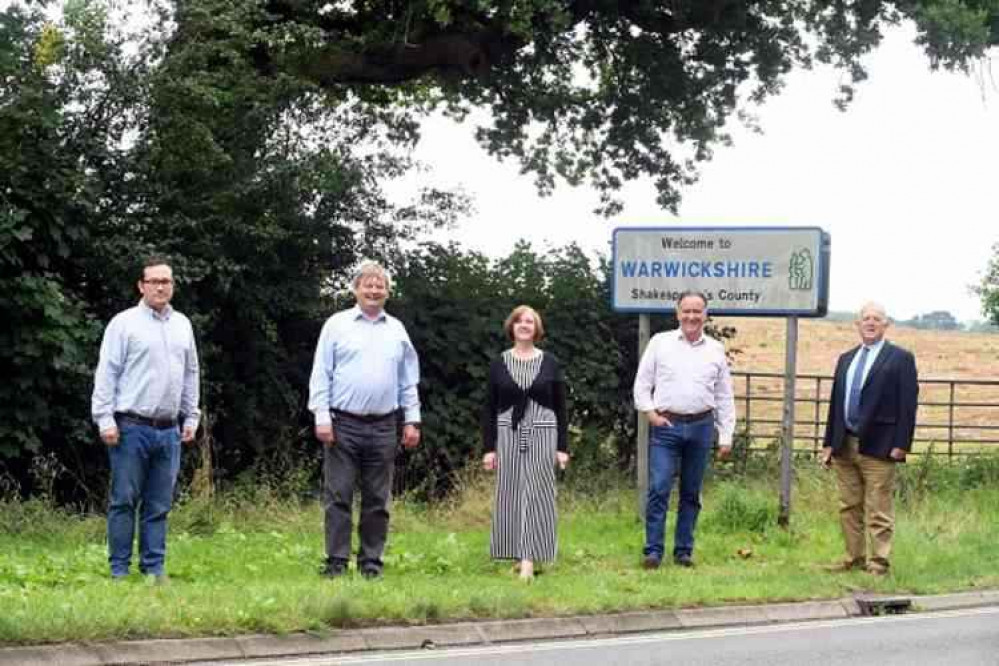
x=876 y=569
x=651 y=562
x=845 y=566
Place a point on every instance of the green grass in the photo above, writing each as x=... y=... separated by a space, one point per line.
x=249 y=564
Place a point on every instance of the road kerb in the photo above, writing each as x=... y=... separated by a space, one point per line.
x=959 y=600
x=66 y=654
x=168 y=650
x=333 y=642
x=422 y=636
x=504 y=631
x=718 y=616
x=807 y=610
x=627 y=623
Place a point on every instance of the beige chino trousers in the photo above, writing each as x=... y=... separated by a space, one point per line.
x=866 y=489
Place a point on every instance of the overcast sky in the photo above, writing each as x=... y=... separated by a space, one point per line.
x=905 y=181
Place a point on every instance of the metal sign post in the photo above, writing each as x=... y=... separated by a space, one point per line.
x=787 y=425
x=642 y=427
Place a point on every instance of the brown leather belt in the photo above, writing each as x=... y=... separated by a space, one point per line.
x=673 y=417
x=159 y=424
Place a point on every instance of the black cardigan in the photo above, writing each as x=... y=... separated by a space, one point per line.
x=548 y=390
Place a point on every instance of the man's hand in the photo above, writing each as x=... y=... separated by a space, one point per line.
x=410 y=436
x=324 y=433
x=110 y=436
x=825 y=457
x=657 y=419
x=187 y=435
x=489 y=461
x=724 y=452
x=897 y=454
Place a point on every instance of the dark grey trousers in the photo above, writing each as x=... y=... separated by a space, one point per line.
x=364 y=452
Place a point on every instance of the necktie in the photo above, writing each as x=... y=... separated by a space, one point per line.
x=853 y=404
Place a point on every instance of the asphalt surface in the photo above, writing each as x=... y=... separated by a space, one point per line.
x=951 y=638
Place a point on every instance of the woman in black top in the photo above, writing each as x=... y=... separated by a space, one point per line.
x=525 y=435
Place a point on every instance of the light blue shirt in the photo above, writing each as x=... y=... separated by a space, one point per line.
x=872 y=354
x=149 y=366
x=364 y=366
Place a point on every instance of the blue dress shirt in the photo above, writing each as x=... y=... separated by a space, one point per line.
x=364 y=366
x=149 y=366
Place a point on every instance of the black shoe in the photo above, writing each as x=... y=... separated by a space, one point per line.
x=371 y=572
x=683 y=561
x=333 y=569
x=651 y=562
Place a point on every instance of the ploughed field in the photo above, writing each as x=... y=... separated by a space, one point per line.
x=758 y=347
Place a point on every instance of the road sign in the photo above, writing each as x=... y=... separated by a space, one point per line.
x=763 y=271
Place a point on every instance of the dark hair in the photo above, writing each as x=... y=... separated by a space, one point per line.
x=691 y=292
x=153 y=260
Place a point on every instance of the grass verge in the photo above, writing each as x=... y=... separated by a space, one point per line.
x=250 y=564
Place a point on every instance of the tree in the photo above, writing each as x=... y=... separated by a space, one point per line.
x=587 y=90
x=988 y=288
x=938 y=320
x=64 y=93
x=261 y=194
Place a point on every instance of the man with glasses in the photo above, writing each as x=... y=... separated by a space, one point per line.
x=145 y=403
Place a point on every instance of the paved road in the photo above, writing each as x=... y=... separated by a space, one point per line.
x=951 y=638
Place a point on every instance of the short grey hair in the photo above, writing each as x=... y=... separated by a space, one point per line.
x=875 y=307
x=369 y=268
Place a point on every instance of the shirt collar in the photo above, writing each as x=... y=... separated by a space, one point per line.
x=683 y=338
x=163 y=316
x=875 y=348
x=359 y=314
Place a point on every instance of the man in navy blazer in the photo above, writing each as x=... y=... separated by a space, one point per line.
x=869 y=428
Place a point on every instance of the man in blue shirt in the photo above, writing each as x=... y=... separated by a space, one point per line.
x=364 y=382
x=145 y=402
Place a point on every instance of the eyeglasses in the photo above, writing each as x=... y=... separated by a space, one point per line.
x=159 y=282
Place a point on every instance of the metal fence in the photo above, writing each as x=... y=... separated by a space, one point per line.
x=955 y=416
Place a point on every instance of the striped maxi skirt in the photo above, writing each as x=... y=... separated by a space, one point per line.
x=524 y=517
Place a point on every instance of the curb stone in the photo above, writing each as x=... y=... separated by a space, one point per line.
x=265 y=645
x=178 y=651
x=958 y=600
x=716 y=616
x=166 y=650
x=629 y=623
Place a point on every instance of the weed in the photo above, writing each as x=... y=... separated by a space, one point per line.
x=738 y=510
x=340 y=612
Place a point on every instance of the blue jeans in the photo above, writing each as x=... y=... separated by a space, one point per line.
x=683 y=448
x=144 y=466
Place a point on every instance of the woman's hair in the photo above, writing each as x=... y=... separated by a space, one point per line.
x=516 y=314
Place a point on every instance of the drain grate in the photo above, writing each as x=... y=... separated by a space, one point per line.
x=873 y=606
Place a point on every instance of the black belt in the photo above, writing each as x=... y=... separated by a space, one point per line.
x=684 y=418
x=159 y=424
x=367 y=418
